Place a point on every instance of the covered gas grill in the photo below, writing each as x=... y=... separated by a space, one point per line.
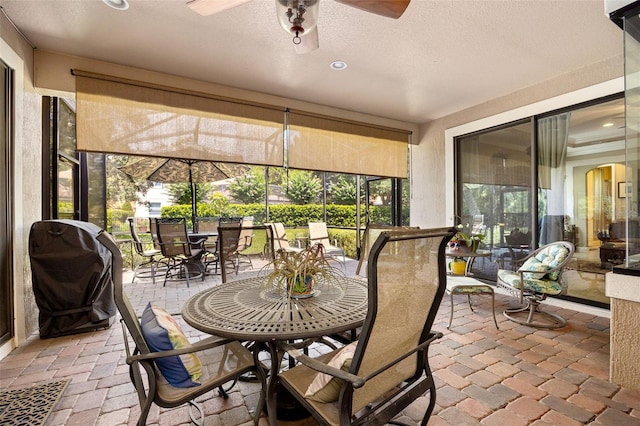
x=72 y=281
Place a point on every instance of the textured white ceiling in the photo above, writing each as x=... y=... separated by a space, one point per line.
x=441 y=56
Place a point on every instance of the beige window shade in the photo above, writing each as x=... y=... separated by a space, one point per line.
x=327 y=144
x=130 y=117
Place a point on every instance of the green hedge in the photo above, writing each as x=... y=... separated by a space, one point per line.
x=294 y=215
x=290 y=214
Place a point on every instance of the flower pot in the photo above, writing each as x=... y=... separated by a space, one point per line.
x=301 y=287
x=458 y=267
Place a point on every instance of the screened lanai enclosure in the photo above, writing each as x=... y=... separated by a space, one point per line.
x=328 y=169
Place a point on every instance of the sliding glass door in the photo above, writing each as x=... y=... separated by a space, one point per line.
x=559 y=176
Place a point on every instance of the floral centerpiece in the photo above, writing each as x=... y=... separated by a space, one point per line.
x=297 y=272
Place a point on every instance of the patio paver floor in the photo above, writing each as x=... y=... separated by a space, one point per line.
x=513 y=376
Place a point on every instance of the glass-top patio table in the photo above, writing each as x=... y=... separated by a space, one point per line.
x=248 y=310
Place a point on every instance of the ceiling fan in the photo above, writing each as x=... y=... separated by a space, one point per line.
x=300 y=17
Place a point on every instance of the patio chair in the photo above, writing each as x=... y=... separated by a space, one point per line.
x=149 y=257
x=372 y=380
x=209 y=225
x=231 y=219
x=182 y=259
x=371 y=234
x=478 y=226
x=277 y=239
x=539 y=275
x=222 y=360
x=228 y=238
x=153 y=230
x=318 y=233
x=245 y=240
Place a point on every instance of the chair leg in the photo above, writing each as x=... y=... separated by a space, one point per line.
x=493 y=309
x=432 y=404
x=144 y=397
x=451 y=316
x=194 y=406
x=469 y=300
x=532 y=310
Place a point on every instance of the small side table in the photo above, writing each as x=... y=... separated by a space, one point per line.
x=469 y=286
x=469 y=256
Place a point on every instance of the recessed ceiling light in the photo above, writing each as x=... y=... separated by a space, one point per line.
x=117 y=4
x=338 y=65
x=607 y=124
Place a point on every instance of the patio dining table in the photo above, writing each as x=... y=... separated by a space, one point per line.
x=249 y=310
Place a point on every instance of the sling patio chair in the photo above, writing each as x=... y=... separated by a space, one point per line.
x=209 y=226
x=176 y=371
x=183 y=260
x=539 y=276
x=318 y=233
x=277 y=239
x=371 y=233
x=245 y=240
x=228 y=239
x=148 y=266
x=372 y=380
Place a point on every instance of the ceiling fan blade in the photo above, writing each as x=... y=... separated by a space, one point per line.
x=309 y=42
x=210 y=7
x=388 y=8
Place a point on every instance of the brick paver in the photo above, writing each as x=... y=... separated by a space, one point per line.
x=513 y=376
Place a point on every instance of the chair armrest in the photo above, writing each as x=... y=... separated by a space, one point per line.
x=199 y=243
x=314 y=364
x=208 y=343
x=355 y=380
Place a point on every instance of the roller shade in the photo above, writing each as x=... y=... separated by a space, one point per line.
x=130 y=117
x=333 y=145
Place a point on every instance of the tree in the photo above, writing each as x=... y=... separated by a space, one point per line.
x=122 y=190
x=249 y=188
x=303 y=187
x=219 y=204
x=343 y=191
x=180 y=193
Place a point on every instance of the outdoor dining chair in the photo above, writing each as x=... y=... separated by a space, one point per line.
x=244 y=241
x=277 y=239
x=183 y=260
x=156 y=359
x=228 y=239
x=372 y=380
x=153 y=231
x=209 y=226
x=371 y=234
x=318 y=233
x=148 y=266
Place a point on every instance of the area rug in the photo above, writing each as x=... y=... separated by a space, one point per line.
x=30 y=406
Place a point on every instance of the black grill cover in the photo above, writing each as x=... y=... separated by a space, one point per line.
x=71 y=277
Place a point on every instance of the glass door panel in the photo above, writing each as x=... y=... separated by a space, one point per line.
x=494 y=193
x=582 y=192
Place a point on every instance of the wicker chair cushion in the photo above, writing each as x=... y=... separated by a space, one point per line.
x=162 y=333
x=547 y=286
x=545 y=259
x=535 y=268
x=326 y=388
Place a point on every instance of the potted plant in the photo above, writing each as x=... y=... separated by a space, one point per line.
x=465 y=242
x=296 y=272
x=458 y=266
